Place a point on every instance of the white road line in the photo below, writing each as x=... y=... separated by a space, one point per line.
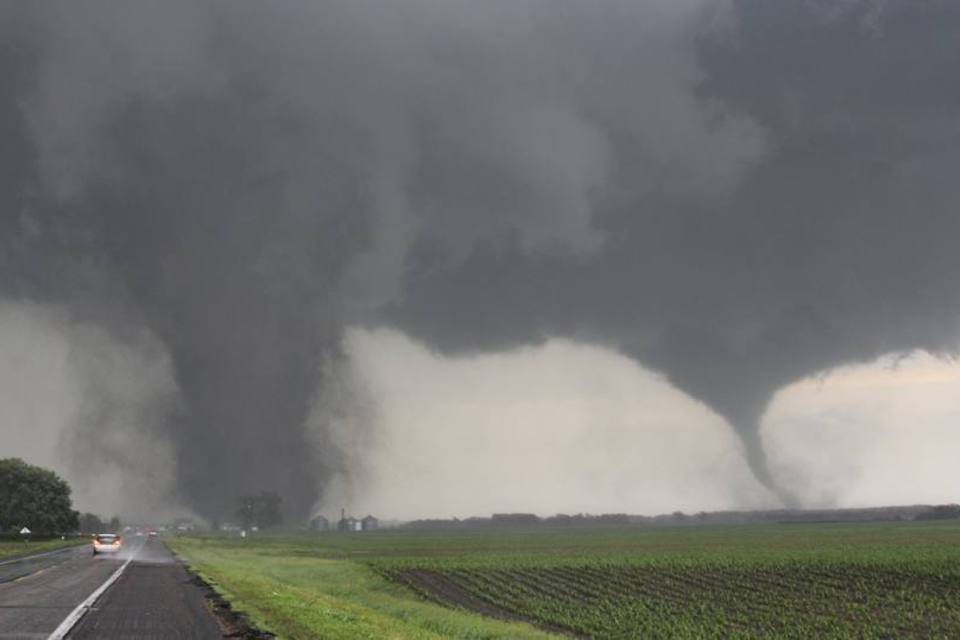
x=71 y=620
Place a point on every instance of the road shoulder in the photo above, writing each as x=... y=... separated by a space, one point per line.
x=155 y=597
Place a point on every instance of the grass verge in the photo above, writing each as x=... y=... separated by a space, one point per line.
x=296 y=596
x=11 y=549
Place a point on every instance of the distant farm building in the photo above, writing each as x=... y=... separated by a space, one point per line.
x=184 y=525
x=349 y=523
x=319 y=523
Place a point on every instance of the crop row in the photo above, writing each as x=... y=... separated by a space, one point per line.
x=783 y=600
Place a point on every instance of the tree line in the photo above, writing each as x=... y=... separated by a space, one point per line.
x=35 y=498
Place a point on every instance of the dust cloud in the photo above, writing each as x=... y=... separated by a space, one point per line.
x=559 y=428
x=878 y=433
x=78 y=400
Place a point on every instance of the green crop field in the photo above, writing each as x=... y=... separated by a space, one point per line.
x=884 y=580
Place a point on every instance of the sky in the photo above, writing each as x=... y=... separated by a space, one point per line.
x=568 y=427
x=347 y=250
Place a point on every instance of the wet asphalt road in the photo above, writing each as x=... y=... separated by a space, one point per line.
x=152 y=598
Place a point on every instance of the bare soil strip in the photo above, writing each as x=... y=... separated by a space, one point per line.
x=234 y=624
x=435 y=586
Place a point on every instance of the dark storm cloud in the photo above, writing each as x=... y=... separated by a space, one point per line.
x=735 y=194
x=840 y=246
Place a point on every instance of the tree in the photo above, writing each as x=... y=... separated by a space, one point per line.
x=262 y=510
x=91 y=523
x=35 y=498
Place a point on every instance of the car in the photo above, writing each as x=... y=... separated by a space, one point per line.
x=153 y=534
x=106 y=543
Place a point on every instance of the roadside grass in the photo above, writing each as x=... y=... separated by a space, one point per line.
x=861 y=580
x=294 y=595
x=12 y=548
